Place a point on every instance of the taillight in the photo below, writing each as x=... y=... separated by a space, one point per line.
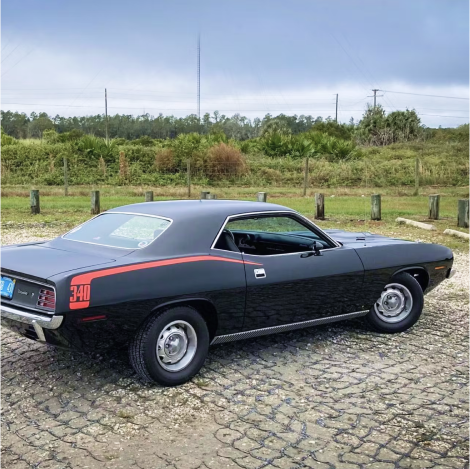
x=46 y=299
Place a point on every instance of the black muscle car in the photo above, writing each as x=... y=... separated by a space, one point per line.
x=171 y=278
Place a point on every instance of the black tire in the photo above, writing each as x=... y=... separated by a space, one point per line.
x=376 y=320
x=143 y=347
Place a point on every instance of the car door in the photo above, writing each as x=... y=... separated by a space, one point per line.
x=295 y=286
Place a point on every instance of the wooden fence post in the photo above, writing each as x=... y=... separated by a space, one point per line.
x=319 y=206
x=462 y=219
x=204 y=195
x=34 y=202
x=416 y=192
x=434 y=201
x=211 y=196
x=149 y=196
x=262 y=196
x=95 y=202
x=66 y=179
x=376 y=207
x=306 y=176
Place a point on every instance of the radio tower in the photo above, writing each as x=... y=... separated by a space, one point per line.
x=199 y=77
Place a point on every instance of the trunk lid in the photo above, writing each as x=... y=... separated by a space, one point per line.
x=43 y=261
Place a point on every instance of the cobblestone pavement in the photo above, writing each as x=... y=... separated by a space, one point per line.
x=328 y=397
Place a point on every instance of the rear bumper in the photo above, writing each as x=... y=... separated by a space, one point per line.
x=39 y=322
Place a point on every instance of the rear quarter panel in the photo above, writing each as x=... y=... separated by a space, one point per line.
x=127 y=298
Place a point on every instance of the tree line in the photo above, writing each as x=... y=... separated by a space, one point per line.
x=20 y=125
x=374 y=128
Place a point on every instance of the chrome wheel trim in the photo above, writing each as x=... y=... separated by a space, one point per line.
x=395 y=303
x=176 y=346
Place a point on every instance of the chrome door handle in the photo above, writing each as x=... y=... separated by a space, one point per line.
x=260 y=273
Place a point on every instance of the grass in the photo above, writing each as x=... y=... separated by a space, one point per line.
x=345 y=208
x=125 y=414
x=40 y=162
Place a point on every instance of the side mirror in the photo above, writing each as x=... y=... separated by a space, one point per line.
x=314 y=251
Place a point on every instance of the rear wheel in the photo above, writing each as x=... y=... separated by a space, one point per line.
x=399 y=306
x=170 y=348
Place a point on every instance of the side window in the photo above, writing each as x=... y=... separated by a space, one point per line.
x=268 y=224
x=266 y=235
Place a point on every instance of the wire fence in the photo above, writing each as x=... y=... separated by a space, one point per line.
x=257 y=172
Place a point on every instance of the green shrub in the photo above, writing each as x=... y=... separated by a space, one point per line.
x=7 y=140
x=275 y=144
x=120 y=141
x=144 y=141
x=94 y=148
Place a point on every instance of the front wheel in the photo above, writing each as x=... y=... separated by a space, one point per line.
x=399 y=306
x=170 y=348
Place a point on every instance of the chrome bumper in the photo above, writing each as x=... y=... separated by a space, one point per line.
x=38 y=322
x=451 y=273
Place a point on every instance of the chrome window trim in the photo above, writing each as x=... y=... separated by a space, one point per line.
x=47 y=311
x=221 y=339
x=118 y=247
x=282 y=212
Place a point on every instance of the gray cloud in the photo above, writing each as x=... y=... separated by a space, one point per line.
x=257 y=57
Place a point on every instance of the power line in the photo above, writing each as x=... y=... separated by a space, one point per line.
x=8 y=55
x=336 y=118
x=106 y=112
x=438 y=115
x=175 y=109
x=16 y=63
x=428 y=95
x=199 y=77
x=4 y=47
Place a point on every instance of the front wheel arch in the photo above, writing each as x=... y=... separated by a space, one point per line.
x=420 y=274
x=414 y=288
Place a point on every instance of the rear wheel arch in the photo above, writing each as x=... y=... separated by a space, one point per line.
x=171 y=346
x=420 y=274
x=203 y=306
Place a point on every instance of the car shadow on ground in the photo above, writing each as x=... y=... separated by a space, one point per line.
x=113 y=364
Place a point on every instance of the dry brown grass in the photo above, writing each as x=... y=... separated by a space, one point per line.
x=165 y=160
x=223 y=159
x=123 y=166
x=102 y=166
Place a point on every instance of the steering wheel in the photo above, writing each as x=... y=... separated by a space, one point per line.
x=247 y=240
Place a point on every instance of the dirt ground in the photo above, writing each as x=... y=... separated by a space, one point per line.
x=339 y=397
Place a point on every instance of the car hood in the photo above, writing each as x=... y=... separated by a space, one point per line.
x=42 y=261
x=362 y=238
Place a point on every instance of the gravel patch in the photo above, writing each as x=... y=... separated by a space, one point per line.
x=329 y=397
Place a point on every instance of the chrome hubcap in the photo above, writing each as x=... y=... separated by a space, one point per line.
x=176 y=346
x=395 y=303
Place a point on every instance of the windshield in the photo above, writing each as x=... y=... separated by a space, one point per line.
x=120 y=230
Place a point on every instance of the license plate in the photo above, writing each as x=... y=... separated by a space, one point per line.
x=7 y=287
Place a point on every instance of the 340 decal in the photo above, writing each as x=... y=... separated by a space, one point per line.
x=79 y=296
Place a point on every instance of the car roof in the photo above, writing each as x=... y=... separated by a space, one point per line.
x=195 y=225
x=180 y=209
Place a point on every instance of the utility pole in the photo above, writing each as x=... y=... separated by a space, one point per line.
x=375 y=97
x=336 y=118
x=106 y=113
x=199 y=77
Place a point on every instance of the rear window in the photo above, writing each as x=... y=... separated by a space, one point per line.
x=120 y=230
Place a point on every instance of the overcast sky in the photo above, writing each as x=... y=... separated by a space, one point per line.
x=257 y=56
